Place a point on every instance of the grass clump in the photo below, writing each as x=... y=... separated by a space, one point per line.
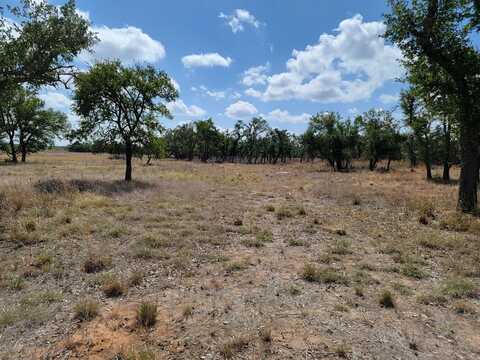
x=458 y=288
x=146 y=314
x=96 y=263
x=342 y=247
x=311 y=273
x=414 y=271
x=464 y=308
x=86 y=310
x=386 y=300
x=235 y=345
x=284 y=213
x=113 y=287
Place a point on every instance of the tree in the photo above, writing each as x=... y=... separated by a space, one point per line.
x=181 y=142
x=421 y=123
x=10 y=97
x=122 y=103
x=381 y=137
x=336 y=140
x=207 y=138
x=435 y=38
x=39 y=47
x=27 y=123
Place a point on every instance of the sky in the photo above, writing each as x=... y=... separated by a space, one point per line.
x=232 y=60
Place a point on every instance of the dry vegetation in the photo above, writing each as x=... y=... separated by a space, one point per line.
x=203 y=261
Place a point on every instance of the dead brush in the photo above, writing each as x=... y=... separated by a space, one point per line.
x=96 y=263
x=113 y=287
x=233 y=346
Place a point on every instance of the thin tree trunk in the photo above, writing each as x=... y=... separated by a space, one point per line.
x=128 y=160
x=13 y=150
x=446 y=160
x=428 y=166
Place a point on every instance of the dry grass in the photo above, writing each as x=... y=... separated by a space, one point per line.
x=239 y=261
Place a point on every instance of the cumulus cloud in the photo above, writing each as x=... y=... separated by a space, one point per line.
x=345 y=67
x=256 y=75
x=56 y=100
x=206 y=60
x=253 y=93
x=241 y=110
x=129 y=44
x=284 y=116
x=388 y=99
x=180 y=108
x=238 y=19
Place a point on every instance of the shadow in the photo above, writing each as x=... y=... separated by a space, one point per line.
x=439 y=180
x=101 y=187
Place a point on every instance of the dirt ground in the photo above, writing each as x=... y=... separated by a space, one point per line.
x=241 y=261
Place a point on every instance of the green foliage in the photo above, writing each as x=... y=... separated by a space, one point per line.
x=121 y=104
x=382 y=140
x=39 y=47
x=333 y=139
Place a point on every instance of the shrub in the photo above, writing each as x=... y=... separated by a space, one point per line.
x=86 y=310
x=458 y=288
x=113 y=288
x=386 y=300
x=95 y=264
x=325 y=276
x=233 y=346
x=147 y=314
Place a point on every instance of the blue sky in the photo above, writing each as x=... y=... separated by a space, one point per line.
x=283 y=60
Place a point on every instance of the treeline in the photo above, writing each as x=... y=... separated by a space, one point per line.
x=374 y=136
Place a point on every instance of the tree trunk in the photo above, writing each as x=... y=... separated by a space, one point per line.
x=467 y=193
x=23 y=149
x=446 y=160
x=428 y=166
x=13 y=150
x=128 y=160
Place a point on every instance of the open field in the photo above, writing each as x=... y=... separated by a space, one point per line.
x=241 y=261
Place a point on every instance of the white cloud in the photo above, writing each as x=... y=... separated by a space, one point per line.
x=253 y=93
x=206 y=60
x=241 y=110
x=180 y=108
x=388 y=99
x=56 y=100
x=238 y=19
x=345 y=67
x=256 y=75
x=129 y=44
x=284 y=116
x=217 y=95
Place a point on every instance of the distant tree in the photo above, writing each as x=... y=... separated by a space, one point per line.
x=336 y=139
x=28 y=125
x=10 y=98
x=254 y=131
x=39 y=46
x=154 y=147
x=381 y=138
x=122 y=103
x=181 y=142
x=207 y=139
x=37 y=127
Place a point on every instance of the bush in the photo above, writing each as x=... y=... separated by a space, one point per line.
x=386 y=300
x=96 y=264
x=86 y=310
x=147 y=314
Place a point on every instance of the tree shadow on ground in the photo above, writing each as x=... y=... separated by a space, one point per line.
x=439 y=180
x=102 y=187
